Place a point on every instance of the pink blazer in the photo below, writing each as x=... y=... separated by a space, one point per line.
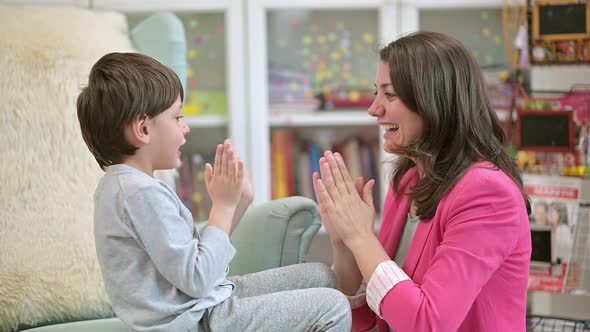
x=469 y=264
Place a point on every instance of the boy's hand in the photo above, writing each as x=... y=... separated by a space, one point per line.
x=247 y=188
x=224 y=185
x=224 y=179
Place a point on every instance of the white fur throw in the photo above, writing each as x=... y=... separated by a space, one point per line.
x=48 y=265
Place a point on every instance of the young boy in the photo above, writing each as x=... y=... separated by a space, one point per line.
x=159 y=272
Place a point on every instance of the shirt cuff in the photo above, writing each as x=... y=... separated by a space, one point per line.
x=385 y=277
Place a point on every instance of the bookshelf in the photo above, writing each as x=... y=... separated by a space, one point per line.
x=332 y=118
x=319 y=24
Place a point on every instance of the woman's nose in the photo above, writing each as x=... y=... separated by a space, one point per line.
x=376 y=109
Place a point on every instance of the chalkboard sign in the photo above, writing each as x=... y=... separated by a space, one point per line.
x=541 y=245
x=561 y=20
x=546 y=131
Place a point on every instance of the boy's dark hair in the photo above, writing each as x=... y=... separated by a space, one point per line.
x=122 y=87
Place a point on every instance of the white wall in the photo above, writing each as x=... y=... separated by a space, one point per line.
x=559 y=77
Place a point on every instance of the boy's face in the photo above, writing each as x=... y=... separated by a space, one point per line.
x=167 y=133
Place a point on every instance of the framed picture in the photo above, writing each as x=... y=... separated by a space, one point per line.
x=560 y=20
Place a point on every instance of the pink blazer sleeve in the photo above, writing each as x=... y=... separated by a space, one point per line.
x=364 y=319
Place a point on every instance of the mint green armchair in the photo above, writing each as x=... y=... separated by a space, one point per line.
x=271 y=234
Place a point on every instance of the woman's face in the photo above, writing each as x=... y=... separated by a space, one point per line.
x=553 y=216
x=401 y=126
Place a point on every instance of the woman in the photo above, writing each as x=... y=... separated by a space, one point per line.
x=562 y=239
x=454 y=248
x=540 y=213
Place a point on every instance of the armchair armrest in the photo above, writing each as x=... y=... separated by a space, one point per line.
x=273 y=234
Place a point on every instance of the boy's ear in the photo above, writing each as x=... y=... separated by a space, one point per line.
x=140 y=130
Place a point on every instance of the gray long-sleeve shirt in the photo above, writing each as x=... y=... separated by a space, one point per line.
x=159 y=273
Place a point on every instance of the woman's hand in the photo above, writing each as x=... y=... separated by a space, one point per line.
x=347 y=215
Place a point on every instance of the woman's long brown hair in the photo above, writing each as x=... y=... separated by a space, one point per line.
x=436 y=77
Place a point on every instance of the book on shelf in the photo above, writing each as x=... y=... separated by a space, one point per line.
x=294 y=160
x=304 y=178
x=352 y=157
x=315 y=153
x=200 y=197
x=282 y=170
x=183 y=184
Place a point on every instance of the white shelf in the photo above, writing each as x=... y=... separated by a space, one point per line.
x=437 y=4
x=318 y=119
x=76 y=3
x=155 y=5
x=206 y=121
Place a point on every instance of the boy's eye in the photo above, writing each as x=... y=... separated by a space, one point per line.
x=374 y=93
x=179 y=117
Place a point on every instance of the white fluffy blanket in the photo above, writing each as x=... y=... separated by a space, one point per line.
x=48 y=265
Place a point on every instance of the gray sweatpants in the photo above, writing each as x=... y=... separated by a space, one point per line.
x=293 y=298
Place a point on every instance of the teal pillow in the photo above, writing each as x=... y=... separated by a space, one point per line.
x=162 y=36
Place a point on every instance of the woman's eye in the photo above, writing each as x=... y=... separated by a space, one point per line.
x=390 y=95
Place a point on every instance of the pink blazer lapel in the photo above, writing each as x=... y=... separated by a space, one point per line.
x=417 y=246
x=393 y=226
x=395 y=212
x=394 y=217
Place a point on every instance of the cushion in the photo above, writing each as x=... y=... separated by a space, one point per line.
x=48 y=265
x=162 y=36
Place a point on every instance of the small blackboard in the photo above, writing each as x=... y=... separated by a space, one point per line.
x=561 y=20
x=541 y=245
x=545 y=131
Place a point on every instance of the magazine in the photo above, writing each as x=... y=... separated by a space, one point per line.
x=554 y=204
x=557 y=204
